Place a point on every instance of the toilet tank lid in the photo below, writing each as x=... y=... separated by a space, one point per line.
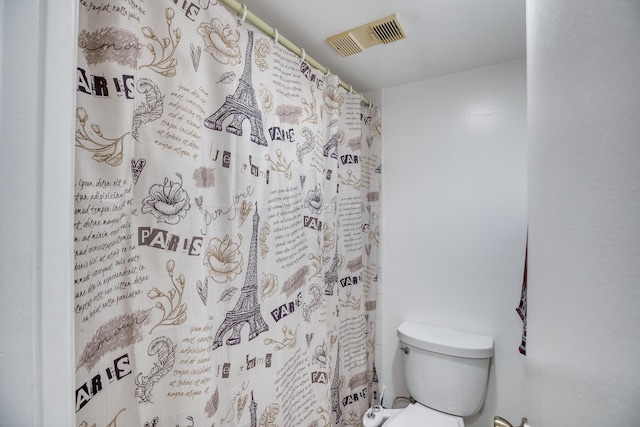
x=446 y=341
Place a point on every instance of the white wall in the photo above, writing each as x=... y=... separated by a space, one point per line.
x=455 y=219
x=583 y=366
x=18 y=210
x=37 y=59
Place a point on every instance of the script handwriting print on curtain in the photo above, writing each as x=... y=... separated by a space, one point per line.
x=226 y=226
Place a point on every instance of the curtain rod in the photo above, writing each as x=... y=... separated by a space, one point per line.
x=240 y=9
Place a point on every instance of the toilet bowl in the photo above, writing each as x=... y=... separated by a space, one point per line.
x=413 y=415
x=445 y=370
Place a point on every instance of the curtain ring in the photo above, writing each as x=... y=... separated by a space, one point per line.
x=361 y=97
x=328 y=72
x=244 y=14
x=350 y=89
x=304 y=54
x=276 y=36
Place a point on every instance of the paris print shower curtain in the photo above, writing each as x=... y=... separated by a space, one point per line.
x=226 y=226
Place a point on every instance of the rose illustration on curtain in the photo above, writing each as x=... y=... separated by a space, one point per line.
x=269 y=285
x=220 y=41
x=167 y=202
x=333 y=97
x=223 y=259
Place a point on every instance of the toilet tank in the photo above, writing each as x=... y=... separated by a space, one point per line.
x=445 y=369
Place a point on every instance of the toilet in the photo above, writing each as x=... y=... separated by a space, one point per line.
x=446 y=372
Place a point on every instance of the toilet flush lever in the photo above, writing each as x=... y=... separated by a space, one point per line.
x=405 y=350
x=501 y=422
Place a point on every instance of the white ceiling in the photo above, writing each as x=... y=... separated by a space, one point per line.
x=443 y=36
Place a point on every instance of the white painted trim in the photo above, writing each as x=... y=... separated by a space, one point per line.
x=55 y=316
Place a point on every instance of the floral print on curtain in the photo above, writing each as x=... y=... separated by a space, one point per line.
x=226 y=226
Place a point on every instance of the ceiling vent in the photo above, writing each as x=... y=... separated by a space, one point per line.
x=346 y=44
x=385 y=30
x=388 y=30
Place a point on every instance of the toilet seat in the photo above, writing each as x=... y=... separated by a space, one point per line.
x=417 y=415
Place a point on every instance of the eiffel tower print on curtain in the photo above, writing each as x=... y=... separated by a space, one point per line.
x=330 y=149
x=335 y=389
x=331 y=275
x=241 y=105
x=247 y=309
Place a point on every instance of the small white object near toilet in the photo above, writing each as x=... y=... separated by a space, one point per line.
x=446 y=372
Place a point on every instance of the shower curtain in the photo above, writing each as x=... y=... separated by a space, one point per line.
x=226 y=226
